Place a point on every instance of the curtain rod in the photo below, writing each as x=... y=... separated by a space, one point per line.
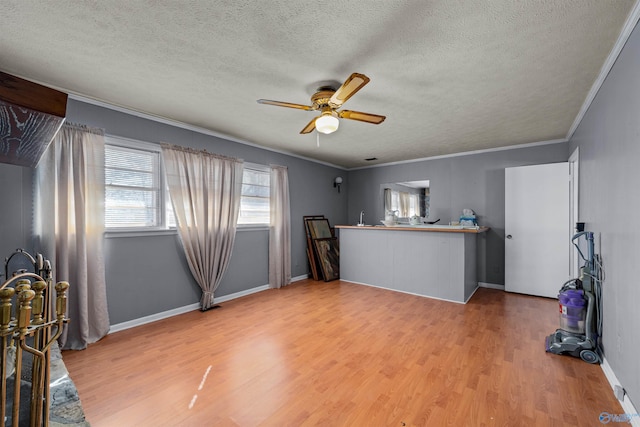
x=167 y=146
x=85 y=128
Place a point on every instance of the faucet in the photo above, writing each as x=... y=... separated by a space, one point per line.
x=361 y=223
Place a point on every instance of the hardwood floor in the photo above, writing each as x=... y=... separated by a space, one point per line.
x=340 y=354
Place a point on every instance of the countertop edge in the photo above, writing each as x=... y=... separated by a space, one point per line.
x=431 y=229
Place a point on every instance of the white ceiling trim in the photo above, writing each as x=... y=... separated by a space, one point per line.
x=193 y=128
x=629 y=25
x=240 y=141
x=466 y=153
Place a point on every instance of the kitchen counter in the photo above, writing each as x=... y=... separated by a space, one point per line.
x=430 y=260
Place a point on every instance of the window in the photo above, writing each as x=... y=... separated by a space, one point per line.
x=134 y=196
x=407 y=204
x=254 y=204
x=137 y=198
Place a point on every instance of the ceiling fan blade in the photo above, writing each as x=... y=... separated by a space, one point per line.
x=354 y=83
x=284 y=104
x=310 y=127
x=361 y=117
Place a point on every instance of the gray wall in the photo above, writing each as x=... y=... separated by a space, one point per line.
x=147 y=275
x=15 y=211
x=472 y=181
x=609 y=144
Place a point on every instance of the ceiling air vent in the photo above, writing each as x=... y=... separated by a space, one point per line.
x=30 y=116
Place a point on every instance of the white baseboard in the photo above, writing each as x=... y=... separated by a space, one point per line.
x=472 y=294
x=403 y=292
x=490 y=285
x=240 y=294
x=191 y=307
x=298 y=278
x=630 y=414
x=180 y=310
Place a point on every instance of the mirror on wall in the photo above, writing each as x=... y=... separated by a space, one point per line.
x=408 y=198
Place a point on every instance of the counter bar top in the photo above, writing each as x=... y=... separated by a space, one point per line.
x=430 y=228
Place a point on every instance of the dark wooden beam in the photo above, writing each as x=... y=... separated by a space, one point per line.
x=30 y=116
x=24 y=93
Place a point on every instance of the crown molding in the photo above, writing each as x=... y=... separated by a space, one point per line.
x=466 y=153
x=198 y=129
x=627 y=29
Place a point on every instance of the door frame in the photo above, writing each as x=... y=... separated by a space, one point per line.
x=574 y=199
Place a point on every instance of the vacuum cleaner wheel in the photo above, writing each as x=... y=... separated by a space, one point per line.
x=589 y=356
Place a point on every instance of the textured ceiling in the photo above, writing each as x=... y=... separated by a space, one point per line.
x=451 y=76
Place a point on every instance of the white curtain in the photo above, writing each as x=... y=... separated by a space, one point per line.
x=405 y=204
x=69 y=227
x=205 y=191
x=388 y=202
x=279 y=229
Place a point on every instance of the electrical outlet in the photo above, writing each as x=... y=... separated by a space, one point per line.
x=619 y=392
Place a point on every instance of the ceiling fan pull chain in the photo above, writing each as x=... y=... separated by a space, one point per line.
x=318 y=139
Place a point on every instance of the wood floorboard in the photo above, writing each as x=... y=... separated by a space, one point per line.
x=341 y=354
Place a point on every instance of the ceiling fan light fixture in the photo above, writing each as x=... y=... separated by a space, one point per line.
x=327 y=123
x=327 y=100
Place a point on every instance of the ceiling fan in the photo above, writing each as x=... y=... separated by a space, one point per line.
x=328 y=100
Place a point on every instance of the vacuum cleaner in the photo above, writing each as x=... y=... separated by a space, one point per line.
x=580 y=302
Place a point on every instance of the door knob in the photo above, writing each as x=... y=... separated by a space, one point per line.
x=509 y=236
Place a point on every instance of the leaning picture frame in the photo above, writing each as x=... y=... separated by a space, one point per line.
x=328 y=257
x=319 y=228
x=314 y=264
x=306 y=220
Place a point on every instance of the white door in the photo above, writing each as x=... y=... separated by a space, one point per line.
x=537 y=229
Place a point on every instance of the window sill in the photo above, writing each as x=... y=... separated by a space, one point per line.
x=252 y=227
x=115 y=234
x=111 y=234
